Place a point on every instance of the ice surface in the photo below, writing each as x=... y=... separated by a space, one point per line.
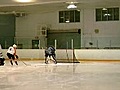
x=62 y=76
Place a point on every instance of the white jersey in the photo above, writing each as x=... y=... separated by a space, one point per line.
x=11 y=50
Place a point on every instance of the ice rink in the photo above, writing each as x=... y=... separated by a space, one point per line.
x=62 y=76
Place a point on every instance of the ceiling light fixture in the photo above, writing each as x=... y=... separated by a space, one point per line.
x=71 y=6
x=24 y=1
x=104 y=9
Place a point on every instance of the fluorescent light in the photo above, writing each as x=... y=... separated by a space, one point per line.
x=71 y=6
x=24 y=1
x=67 y=21
x=104 y=9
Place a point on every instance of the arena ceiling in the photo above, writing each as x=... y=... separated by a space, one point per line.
x=12 y=5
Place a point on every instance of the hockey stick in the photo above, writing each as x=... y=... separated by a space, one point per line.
x=22 y=61
x=25 y=63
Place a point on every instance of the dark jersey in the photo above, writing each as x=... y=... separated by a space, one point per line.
x=50 y=50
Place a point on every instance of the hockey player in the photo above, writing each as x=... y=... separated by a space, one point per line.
x=50 y=52
x=11 y=53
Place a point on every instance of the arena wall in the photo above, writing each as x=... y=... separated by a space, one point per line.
x=62 y=54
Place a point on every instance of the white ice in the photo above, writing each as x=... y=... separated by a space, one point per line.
x=62 y=76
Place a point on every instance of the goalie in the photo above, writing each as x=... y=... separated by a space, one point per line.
x=50 y=53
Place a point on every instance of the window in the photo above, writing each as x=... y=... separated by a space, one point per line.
x=108 y=14
x=69 y=16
